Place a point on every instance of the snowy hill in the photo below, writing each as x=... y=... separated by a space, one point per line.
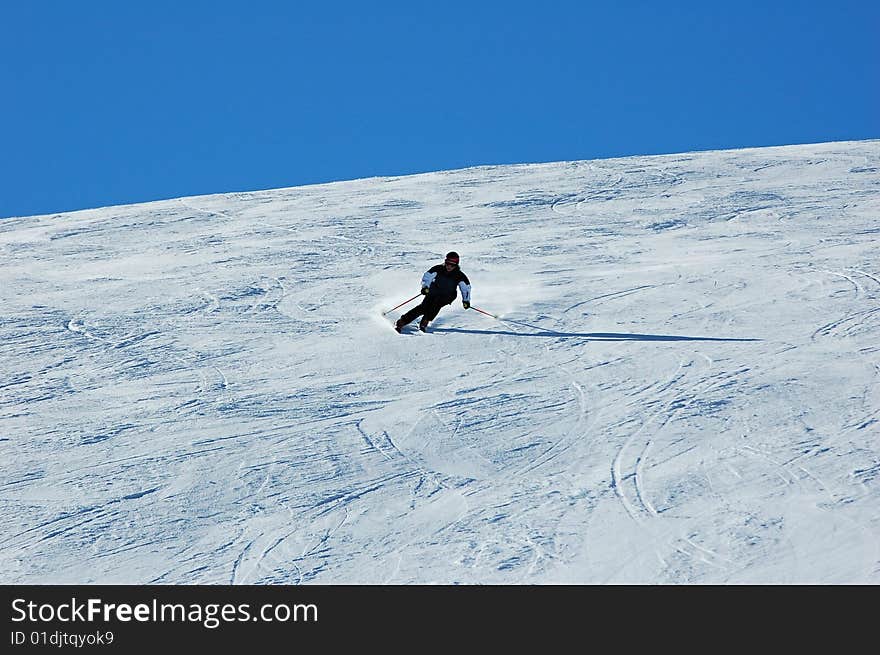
x=683 y=387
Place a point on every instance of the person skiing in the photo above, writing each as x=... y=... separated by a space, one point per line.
x=439 y=286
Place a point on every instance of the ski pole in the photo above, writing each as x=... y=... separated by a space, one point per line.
x=483 y=312
x=401 y=304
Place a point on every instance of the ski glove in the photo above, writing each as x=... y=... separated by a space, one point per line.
x=465 y=304
x=424 y=291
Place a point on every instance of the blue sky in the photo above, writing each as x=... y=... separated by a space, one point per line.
x=108 y=103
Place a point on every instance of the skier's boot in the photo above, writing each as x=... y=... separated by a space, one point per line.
x=423 y=325
x=399 y=325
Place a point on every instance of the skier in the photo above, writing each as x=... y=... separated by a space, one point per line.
x=439 y=288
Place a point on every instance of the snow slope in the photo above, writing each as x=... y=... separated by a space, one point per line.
x=684 y=386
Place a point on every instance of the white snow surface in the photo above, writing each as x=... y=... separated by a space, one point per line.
x=683 y=386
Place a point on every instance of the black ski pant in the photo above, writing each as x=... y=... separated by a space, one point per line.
x=428 y=309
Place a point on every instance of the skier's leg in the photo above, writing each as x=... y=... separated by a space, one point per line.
x=429 y=314
x=415 y=312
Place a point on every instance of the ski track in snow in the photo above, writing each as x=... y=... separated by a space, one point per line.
x=682 y=386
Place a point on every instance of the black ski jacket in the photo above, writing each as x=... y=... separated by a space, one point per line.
x=443 y=284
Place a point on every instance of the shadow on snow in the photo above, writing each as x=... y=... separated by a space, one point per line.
x=603 y=336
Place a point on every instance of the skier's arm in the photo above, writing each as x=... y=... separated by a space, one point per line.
x=464 y=284
x=427 y=279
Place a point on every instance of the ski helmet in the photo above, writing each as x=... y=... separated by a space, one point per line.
x=452 y=258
